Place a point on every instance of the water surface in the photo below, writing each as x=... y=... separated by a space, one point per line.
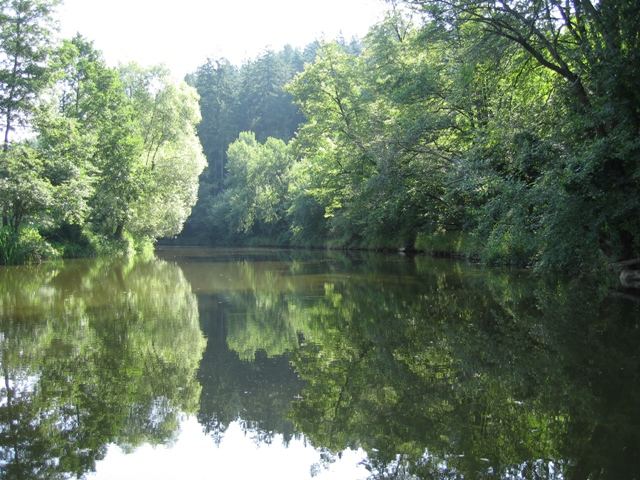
x=208 y=363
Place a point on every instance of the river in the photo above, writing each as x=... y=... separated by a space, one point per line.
x=275 y=364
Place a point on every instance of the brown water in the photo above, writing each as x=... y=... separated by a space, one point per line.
x=204 y=363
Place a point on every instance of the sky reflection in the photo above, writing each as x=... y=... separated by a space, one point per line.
x=195 y=455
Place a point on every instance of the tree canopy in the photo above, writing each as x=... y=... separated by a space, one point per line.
x=111 y=161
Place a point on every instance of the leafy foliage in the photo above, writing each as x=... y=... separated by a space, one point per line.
x=25 y=44
x=255 y=195
x=171 y=158
x=513 y=126
x=114 y=159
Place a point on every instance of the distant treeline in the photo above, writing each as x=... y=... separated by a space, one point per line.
x=506 y=132
x=234 y=99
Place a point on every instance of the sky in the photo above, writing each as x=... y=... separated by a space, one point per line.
x=182 y=34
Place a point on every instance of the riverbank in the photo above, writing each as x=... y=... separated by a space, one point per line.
x=452 y=245
x=29 y=246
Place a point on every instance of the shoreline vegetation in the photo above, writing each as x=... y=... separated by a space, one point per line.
x=502 y=134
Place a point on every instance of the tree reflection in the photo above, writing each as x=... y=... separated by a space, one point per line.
x=93 y=353
x=245 y=314
x=257 y=390
x=435 y=369
x=439 y=373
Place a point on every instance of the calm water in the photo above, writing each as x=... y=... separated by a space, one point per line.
x=276 y=364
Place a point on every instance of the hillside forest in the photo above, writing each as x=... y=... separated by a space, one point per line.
x=506 y=132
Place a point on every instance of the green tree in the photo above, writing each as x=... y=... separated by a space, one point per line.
x=172 y=158
x=232 y=100
x=25 y=193
x=137 y=151
x=373 y=144
x=46 y=190
x=257 y=183
x=94 y=96
x=266 y=107
x=25 y=43
x=66 y=149
x=216 y=81
x=588 y=205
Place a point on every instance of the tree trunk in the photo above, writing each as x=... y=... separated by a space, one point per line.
x=12 y=91
x=626 y=240
x=119 y=231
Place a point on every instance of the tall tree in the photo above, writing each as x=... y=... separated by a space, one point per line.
x=172 y=157
x=25 y=42
x=94 y=96
x=266 y=108
x=217 y=84
x=257 y=184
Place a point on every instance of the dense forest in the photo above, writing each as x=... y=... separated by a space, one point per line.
x=506 y=132
x=501 y=131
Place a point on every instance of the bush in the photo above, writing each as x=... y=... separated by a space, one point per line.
x=128 y=246
x=24 y=246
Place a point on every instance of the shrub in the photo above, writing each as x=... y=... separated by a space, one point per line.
x=24 y=246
